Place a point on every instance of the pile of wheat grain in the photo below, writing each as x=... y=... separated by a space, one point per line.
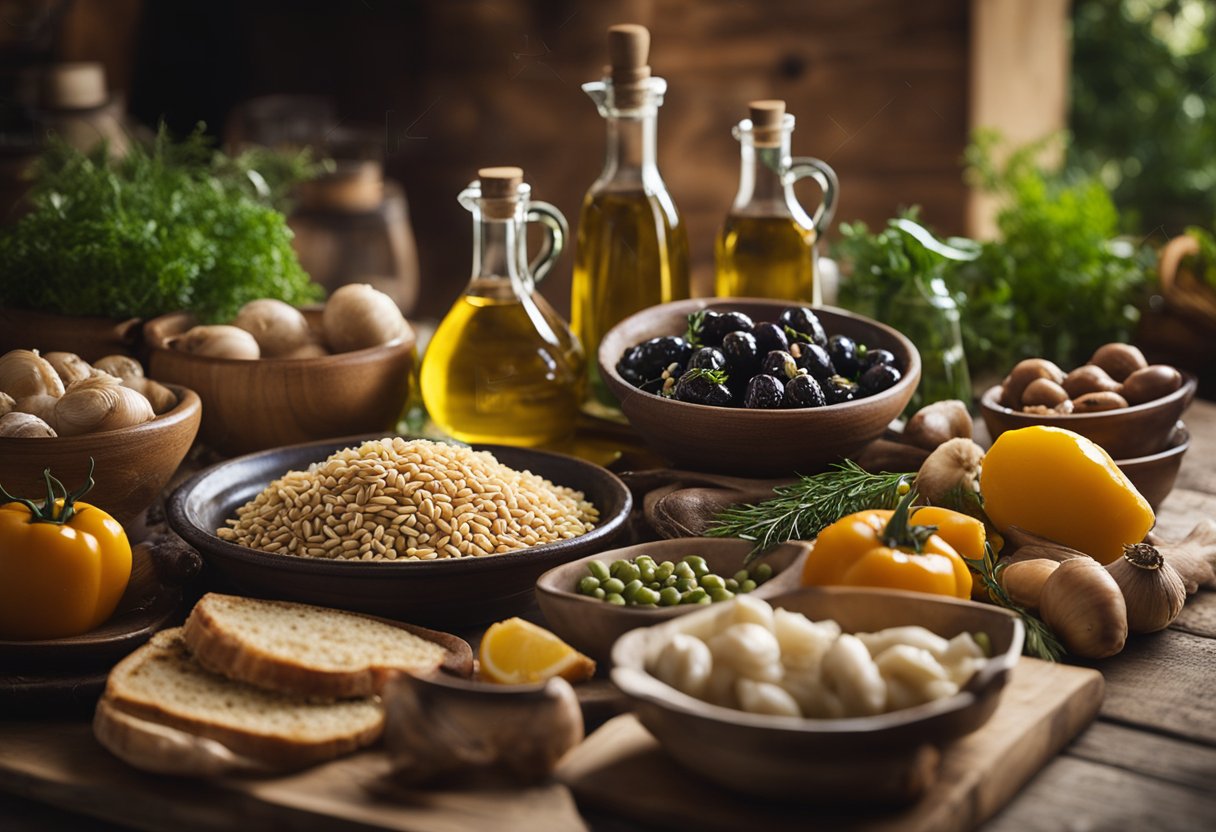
x=398 y=499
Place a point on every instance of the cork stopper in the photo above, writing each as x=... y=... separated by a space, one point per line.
x=73 y=86
x=628 y=56
x=499 y=191
x=768 y=117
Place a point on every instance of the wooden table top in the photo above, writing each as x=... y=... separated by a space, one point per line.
x=1148 y=762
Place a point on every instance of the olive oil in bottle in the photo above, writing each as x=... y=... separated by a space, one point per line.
x=501 y=367
x=632 y=249
x=767 y=246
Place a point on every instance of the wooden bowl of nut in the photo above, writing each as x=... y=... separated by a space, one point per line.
x=439 y=534
x=748 y=428
x=1117 y=400
x=279 y=376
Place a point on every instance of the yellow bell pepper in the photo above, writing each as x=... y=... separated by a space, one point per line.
x=1059 y=485
x=893 y=550
x=64 y=565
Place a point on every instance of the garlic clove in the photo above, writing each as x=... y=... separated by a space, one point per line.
x=279 y=328
x=41 y=405
x=122 y=367
x=952 y=469
x=26 y=373
x=17 y=425
x=1084 y=607
x=219 y=341
x=1023 y=580
x=358 y=316
x=6 y=403
x=1152 y=589
x=70 y=366
x=98 y=404
x=937 y=423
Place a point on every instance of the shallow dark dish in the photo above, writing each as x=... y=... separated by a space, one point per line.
x=457 y=591
x=1154 y=475
x=777 y=757
x=759 y=443
x=594 y=626
x=1127 y=433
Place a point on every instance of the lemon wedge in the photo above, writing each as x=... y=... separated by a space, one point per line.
x=517 y=652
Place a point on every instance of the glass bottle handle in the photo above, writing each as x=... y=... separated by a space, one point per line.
x=805 y=167
x=558 y=231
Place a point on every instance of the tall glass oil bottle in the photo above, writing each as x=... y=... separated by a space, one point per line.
x=503 y=367
x=767 y=247
x=632 y=249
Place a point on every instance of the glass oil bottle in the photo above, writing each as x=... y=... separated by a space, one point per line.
x=632 y=249
x=503 y=367
x=767 y=247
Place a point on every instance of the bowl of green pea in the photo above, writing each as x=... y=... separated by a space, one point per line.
x=593 y=601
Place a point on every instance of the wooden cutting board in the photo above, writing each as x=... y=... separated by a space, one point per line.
x=620 y=769
x=59 y=762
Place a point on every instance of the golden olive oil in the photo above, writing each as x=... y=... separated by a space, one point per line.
x=497 y=371
x=632 y=253
x=766 y=257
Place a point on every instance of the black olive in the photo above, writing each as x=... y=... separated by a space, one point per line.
x=878 y=378
x=742 y=354
x=839 y=389
x=843 y=351
x=707 y=358
x=780 y=364
x=631 y=376
x=630 y=359
x=716 y=326
x=700 y=387
x=801 y=319
x=764 y=392
x=770 y=337
x=657 y=354
x=875 y=357
x=814 y=359
x=804 y=391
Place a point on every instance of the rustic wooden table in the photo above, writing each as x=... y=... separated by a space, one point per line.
x=1148 y=762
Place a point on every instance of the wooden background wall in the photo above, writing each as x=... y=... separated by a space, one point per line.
x=881 y=89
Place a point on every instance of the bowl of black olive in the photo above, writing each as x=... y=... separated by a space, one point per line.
x=757 y=387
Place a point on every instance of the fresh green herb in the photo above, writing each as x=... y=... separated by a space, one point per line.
x=714 y=376
x=172 y=225
x=696 y=321
x=1041 y=642
x=801 y=510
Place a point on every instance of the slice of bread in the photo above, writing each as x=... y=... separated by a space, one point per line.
x=298 y=648
x=160 y=683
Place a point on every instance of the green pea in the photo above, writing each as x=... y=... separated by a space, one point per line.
x=588 y=584
x=617 y=566
x=747 y=586
x=669 y=597
x=615 y=598
x=644 y=560
x=599 y=593
x=631 y=589
x=599 y=570
x=742 y=575
x=762 y=573
x=712 y=582
x=665 y=570
x=646 y=572
x=698 y=564
x=613 y=585
x=629 y=572
x=721 y=594
x=732 y=584
x=686 y=584
x=646 y=595
x=683 y=570
x=694 y=596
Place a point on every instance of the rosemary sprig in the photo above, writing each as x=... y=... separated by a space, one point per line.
x=693 y=334
x=1041 y=642
x=801 y=510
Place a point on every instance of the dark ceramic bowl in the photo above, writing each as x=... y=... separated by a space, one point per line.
x=780 y=757
x=594 y=626
x=757 y=443
x=447 y=592
x=1127 y=433
x=1154 y=475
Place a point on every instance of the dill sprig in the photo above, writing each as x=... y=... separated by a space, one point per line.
x=1041 y=642
x=801 y=510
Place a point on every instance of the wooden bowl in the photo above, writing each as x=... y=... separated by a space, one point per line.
x=886 y=757
x=759 y=443
x=1127 y=433
x=133 y=464
x=1154 y=475
x=254 y=405
x=90 y=338
x=594 y=626
x=447 y=592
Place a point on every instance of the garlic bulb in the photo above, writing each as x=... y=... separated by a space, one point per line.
x=6 y=403
x=24 y=426
x=278 y=327
x=70 y=366
x=131 y=374
x=219 y=341
x=26 y=373
x=100 y=404
x=40 y=405
x=1152 y=589
x=1084 y=607
x=358 y=316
